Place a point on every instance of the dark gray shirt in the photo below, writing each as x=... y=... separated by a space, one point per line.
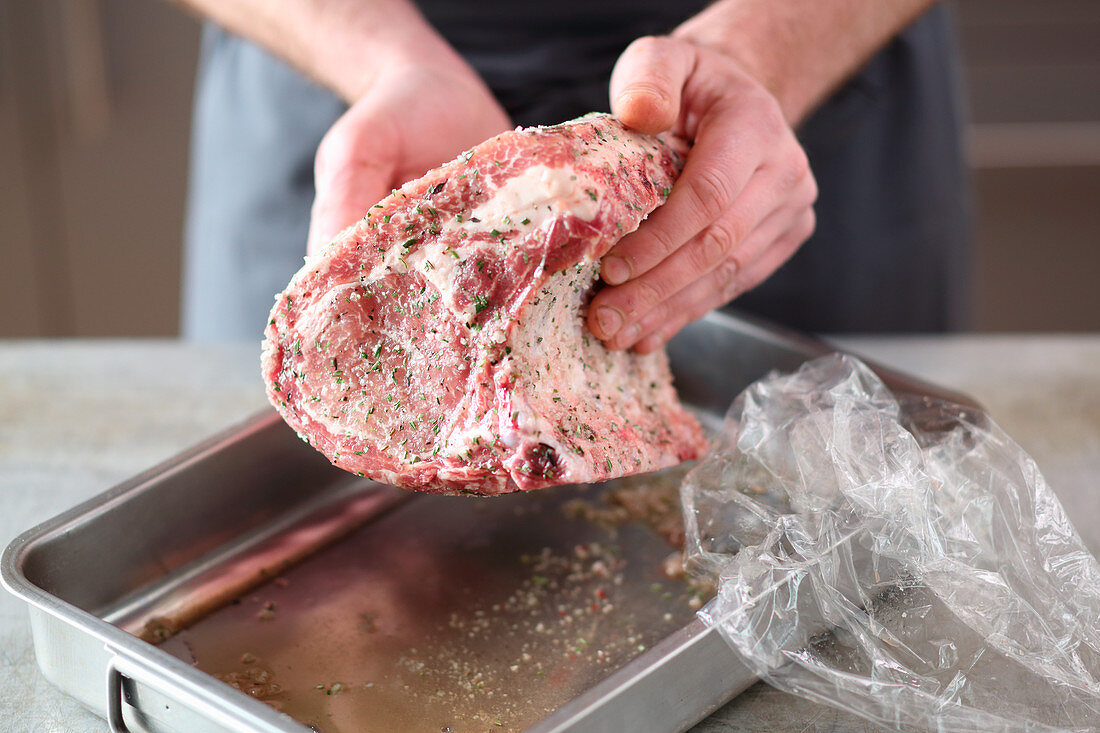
x=891 y=248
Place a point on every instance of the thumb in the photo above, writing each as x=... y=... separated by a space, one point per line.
x=351 y=174
x=647 y=81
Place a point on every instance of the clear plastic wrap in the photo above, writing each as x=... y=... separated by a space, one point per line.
x=901 y=560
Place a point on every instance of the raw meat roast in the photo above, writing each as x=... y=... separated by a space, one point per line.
x=439 y=344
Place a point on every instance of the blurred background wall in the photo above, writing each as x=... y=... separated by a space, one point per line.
x=95 y=100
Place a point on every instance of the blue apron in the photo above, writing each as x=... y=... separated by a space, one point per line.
x=891 y=250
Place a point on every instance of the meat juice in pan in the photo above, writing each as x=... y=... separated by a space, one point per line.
x=489 y=616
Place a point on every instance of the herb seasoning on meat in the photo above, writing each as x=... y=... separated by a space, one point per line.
x=440 y=345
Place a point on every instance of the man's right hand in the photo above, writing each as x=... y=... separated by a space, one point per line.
x=414 y=102
x=409 y=120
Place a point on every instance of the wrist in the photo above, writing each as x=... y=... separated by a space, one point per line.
x=737 y=43
x=800 y=50
x=350 y=60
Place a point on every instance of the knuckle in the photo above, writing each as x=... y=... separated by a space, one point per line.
x=793 y=169
x=649 y=46
x=726 y=277
x=800 y=190
x=647 y=43
x=798 y=164
x=802 y=198
x=810 y=186
x=715 y=244
x=652 y=321
x=662 y=246
x=712 y=190
x=769 y=114
x=805 y=226
x=728 y=270
x=729 y=293
x=648 y=344
x=673 y=326
x=645 y=294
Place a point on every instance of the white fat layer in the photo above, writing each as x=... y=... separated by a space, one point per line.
x=436 y=265
x=565 y=377
x=537 y=194
x=522 y=204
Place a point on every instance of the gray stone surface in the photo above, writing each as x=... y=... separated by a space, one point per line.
x=1044 y=391
x=78 y=417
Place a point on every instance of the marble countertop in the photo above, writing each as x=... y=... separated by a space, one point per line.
x=77 y=417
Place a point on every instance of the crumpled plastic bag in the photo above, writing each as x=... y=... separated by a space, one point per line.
x=903 y=561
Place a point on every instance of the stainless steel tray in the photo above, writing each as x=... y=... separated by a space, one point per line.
x=375 y=609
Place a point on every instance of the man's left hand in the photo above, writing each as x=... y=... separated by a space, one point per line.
x=741 y=208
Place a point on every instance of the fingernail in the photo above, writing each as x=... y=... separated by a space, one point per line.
x=615 y=270
x=610 y=321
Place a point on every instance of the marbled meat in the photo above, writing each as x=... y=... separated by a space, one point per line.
x=439 y=344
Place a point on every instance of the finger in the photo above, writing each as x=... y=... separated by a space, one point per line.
x=647 y=81
x=351 y=174
x=765 y=206
x=733 y=142
x=728 y=269
x=722 y=285
x=346 y=197
x=772 y=258
x=796 y=209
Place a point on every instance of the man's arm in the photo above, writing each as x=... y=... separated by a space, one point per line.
x=340 y=44
x=800 y=50
x=414 y=101
x=733 y=80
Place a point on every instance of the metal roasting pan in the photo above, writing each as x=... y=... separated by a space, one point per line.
x=379 y=609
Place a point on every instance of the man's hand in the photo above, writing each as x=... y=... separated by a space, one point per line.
x=409 y=120
x=414 y=102
x=740 y=209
